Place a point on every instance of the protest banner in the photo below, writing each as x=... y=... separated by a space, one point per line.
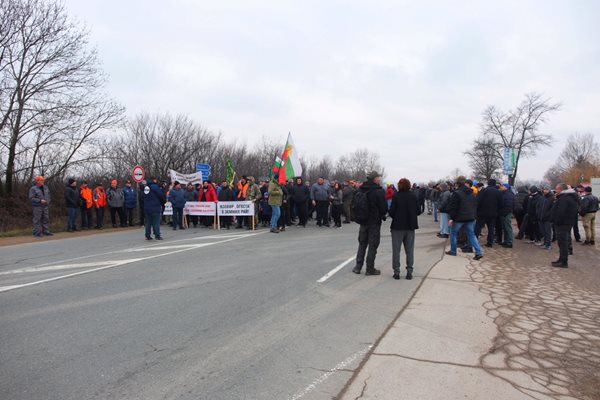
x=236 y=209
x=201 y=208
x=184 y=179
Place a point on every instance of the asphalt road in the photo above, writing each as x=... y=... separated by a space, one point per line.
x=201 y=315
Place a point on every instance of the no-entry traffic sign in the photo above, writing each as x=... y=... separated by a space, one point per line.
x=137 y=174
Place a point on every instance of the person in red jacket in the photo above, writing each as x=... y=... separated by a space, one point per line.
x=389 y=194
x=207 y=193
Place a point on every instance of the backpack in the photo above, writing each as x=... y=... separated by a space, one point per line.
x=360 y=207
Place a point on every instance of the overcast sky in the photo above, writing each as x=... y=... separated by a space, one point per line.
x=407 y=79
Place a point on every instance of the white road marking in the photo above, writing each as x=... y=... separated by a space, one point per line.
x=113 y=264
x=332 y=371
x=57 y=267
x=336 y=269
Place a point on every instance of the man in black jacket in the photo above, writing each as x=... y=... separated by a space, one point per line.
x=533 y=225
x=544 y=216
x=300 y=194
x=369 y=235
x=489 y=204
x=588 y=209
x=72 y=203
x=462 y=208
x=564 y=213
x=404 y=211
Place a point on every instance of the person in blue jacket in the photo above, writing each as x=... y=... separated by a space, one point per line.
x=154 y=198
x=177 y=199
x=130 y=196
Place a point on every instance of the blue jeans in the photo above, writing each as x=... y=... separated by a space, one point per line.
x=470 y=231
x=72 y=217
x=444 y=229
x=152 y=223
x=276 y=213
x=389 y=203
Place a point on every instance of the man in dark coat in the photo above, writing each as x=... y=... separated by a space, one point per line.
x=544 y=216
x=369 y=235
x=508 y=199
x=462 y=208
x=300 y=194
x=533 y=225
x=564 y=213
x=226 y=194
x=72 y=204
x=154 y=200
x=489 y=204
x=404 y=211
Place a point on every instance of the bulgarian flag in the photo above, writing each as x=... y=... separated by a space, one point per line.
x=290 y=166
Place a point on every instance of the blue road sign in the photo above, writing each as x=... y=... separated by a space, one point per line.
x=202 y=167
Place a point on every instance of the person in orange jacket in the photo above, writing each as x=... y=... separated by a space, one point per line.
x=87 y=202
x=100 y=203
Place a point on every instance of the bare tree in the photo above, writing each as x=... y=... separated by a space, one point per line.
x=484 y=158
x=519 y=128
x=581 y=149
x=51 y=101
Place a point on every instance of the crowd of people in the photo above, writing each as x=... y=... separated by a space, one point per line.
x=463 y=209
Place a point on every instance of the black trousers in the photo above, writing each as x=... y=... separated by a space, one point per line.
x=322 y=212
x=302 y=211
x=519 y=217
x=563 y=236
x=86 y=217
x=336 y=213
x=99 y=217
x=576 y=229
x=129 y=216
x=490 y=222
x=369 y=237
x=142 y=214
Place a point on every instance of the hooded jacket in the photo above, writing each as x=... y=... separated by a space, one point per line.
x=564 y=212
x=532 y=203
x=207 y=193
x=154 y=198
x=519 y=204
x=275 y=193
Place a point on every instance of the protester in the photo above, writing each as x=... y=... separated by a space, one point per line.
x=300 y=195
x=189 y=194
x=177 y=199
x=100 y=204
x=266 y=211
x=116 y=201
x=580 y=193
x=129 y=202
x=389 y=194
x=253 y=194
x=489 y=204
x=154 y=199
x=462 y=209
x=370 y=209
x=508 y=200
x=564 y=213
x=72 y=204
x=226 y=194
x=207 y=193
x=519 y=208
x=544 y=216
x=404 y=210
x=532 y=229
x=319 y=194
x=275 y=201
x=337 y=199
x=242 y=189
x=587 y=209
x=348 y=192
x=39 y=196
x=443 y=200
x=142 y=214
x=86 y=202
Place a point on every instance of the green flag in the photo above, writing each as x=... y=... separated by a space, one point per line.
x=230 y=172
